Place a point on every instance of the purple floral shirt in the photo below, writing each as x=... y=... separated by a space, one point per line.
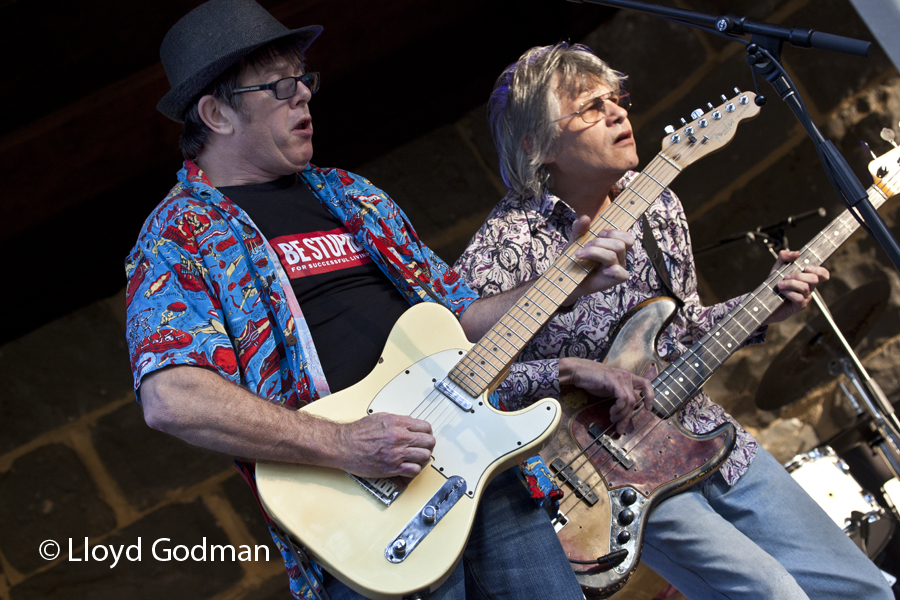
x=522 y=237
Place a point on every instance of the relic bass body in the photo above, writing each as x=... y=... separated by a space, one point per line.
x=612 y=482
x=374 y=535
x=618 y=480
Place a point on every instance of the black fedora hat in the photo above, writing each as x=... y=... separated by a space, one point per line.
x=211 y=38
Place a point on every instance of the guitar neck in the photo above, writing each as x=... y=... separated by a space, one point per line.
x=490 y=357
x=683 y=378
x=488 y=361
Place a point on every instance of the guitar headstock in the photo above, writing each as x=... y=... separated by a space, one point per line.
x=709 y=131
x=885 y=170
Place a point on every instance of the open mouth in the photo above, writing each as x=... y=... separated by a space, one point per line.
x=625 y=135
x=304 y=124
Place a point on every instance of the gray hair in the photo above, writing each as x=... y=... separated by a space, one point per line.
x=525 y=102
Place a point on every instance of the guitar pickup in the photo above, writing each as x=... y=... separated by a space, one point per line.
x=613 y=448
x=567 y=475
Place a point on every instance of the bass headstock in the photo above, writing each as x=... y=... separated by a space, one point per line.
x=885 y=170
x=709 y=131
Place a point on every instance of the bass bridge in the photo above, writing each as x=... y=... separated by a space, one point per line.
x=613 y=448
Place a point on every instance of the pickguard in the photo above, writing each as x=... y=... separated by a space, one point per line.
x=467 y=443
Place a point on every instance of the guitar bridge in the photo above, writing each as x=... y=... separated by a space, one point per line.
x=386 y=489
x=616 y=450
x=567 y=475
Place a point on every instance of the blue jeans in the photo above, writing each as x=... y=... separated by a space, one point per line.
x=513 y=553
x=764 y=538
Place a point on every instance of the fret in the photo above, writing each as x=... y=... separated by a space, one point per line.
x=654 y=180
x=638 y=195
x=666 y=158
x=498 y=346
x=576 y=262
x=479 y=365
x=608 y=221
x=523 y=324
x=561 y=270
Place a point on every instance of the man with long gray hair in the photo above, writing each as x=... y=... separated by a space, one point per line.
x=559 y=117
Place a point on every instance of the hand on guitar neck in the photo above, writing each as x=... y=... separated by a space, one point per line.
x=797 y=288
x=607 y=250
x=631 y=392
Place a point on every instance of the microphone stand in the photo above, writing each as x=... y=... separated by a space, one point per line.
x=763 y=54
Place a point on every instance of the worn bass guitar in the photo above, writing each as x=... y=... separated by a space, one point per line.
x=395 y=538
x=618 y=480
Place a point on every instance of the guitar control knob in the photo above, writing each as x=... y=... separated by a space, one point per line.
x=626 y=517
x=623 y=538
x=628 y=497
x=398 y=548
x=429 y=513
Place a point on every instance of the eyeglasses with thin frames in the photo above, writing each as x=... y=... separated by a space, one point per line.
x=594 y=109
x=285 y=88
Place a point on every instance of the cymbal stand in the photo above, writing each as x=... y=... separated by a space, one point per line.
x=875 y=402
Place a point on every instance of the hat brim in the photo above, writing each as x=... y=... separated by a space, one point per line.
x=179 y=98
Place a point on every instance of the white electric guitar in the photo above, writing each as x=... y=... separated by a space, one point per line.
x=393 y=538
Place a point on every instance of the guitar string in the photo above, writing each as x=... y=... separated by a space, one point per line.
x=835 y=226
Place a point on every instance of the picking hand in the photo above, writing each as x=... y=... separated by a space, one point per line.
x=631 y=392
x=385 y=445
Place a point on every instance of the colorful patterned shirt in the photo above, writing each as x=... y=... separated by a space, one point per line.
x=206 y=289
x=522 y=237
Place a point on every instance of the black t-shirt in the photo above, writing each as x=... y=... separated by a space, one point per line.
x=348 y=303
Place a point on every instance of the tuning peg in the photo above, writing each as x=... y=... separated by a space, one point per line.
x=709 y=104
x=697 y=113
x=669 y=129
x=869 y=150
x=737 y=91
x=888 y=136
x=683 y=122
x=724 y=99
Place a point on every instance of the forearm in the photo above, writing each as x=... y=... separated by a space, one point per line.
x=204 y=409
x=484 y=313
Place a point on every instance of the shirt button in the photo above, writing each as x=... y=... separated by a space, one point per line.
x=248 y=230
x=291 y=339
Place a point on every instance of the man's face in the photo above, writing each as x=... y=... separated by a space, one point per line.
x=600 y=151
x=273 y=137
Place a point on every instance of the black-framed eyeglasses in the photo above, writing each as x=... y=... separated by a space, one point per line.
x=593 y=110
x=285 y=88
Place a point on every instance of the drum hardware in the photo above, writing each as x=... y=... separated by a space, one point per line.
x=827 y=479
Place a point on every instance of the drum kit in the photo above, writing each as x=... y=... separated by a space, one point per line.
x=853 y=475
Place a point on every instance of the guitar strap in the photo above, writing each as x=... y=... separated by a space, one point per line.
x=655 y=253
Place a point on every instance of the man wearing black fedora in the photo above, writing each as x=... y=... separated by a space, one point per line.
x=262 y=283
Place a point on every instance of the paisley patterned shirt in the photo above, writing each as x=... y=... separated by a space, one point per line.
x=522 y=237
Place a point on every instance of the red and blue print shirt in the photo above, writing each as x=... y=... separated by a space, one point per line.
x=206 y=289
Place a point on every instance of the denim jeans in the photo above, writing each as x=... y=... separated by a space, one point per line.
x=513 y=553
x=764 y=538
